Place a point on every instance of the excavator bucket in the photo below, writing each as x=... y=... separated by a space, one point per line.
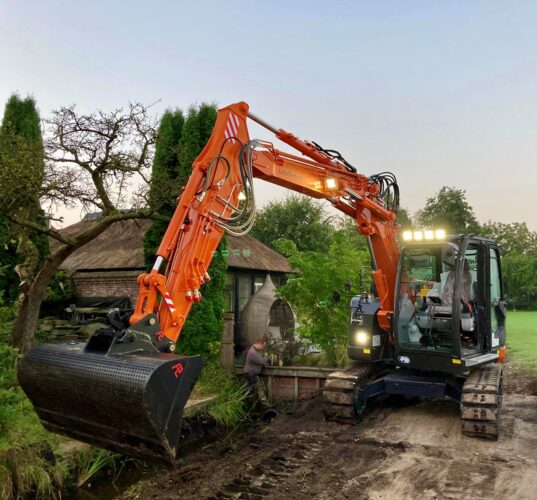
x=132 y=403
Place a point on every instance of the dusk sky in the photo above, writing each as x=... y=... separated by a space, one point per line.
x=438 y=92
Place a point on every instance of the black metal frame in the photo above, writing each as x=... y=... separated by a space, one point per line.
x=406 y=383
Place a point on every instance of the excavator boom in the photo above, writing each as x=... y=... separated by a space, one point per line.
x=211 y=204
x=125 y=389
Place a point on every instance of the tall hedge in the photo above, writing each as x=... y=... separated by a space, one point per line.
x=165 y=184
x=178 y=146
x=21 y=158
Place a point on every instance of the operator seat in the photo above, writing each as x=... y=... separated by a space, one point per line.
x=467 y=289
x=440 y=300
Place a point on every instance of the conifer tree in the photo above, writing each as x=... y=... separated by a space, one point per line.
x=21 y=157
x=179 y=143
x=165 y=183
x=204 y=322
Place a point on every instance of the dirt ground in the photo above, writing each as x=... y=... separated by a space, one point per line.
x=408 y=451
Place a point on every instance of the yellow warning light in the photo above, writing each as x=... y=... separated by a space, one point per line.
x=331 y=183
x=427 y=234
x=407 y=235
x=317 y=185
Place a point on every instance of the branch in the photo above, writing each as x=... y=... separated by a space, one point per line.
x=49 y=231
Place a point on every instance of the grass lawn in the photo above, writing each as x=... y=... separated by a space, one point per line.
x=522 y=339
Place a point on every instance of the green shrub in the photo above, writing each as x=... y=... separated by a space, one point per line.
x=60 y=293
x=230 y=406
x=322 y=321
x=23 y=440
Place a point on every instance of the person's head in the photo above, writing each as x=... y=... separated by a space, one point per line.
x=450 y=252
x=261 y=342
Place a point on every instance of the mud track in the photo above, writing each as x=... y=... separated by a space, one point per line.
x=409 y=450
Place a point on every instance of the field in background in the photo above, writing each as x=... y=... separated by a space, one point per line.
x=522 y=338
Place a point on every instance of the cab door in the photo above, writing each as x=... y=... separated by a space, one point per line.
x=495 y=302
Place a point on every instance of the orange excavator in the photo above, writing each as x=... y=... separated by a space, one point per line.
x=435 y=325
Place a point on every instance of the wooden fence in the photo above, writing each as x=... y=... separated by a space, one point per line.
x=290 y=383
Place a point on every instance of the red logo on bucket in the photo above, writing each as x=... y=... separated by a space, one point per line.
x=177 y=369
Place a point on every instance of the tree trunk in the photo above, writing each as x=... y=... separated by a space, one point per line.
x=27 y=320
x=23 y=333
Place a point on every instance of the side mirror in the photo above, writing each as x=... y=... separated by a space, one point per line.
x=336 y=296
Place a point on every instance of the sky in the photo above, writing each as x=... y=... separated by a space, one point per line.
x=438 y=92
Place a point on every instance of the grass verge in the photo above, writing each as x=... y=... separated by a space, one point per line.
x=522 y=339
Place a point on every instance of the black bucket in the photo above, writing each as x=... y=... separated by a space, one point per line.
x=128 y=403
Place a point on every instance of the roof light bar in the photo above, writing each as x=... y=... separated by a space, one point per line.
x=427 y=234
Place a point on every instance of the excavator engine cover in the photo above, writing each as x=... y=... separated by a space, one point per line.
x=132 y=403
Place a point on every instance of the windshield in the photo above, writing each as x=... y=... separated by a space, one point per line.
x=426 y=297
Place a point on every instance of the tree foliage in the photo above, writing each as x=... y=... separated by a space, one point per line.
x=197 y=130
x=21 y=176
x=450 y=210
x=165 y=185
x=204 y=322
x=297 y=218
x=404 y=219
x=513 y=237
x=520 y=279
x=322 y=321
x=92 y=160
x=519 y=248
x=179 y=143
x=347 y=228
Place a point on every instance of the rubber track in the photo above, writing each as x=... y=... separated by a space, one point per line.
x=481 y=402
x=338 y=393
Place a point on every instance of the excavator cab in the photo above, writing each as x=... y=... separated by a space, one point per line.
x=450 y=313
x=119 y=390
x=448 y=333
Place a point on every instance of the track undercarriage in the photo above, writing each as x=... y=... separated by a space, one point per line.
x=480 y=395
x=338 y=392
x=481 y=402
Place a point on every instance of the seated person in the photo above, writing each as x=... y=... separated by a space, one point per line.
x=438 y=306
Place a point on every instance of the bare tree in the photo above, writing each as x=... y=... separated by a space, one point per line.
x=100 y=160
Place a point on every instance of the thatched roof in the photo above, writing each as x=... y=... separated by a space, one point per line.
x=245 y=252
x=120 y=247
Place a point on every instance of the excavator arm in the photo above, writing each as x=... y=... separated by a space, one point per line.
x=219 y=197
x=125 y=389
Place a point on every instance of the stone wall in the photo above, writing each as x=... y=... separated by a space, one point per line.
x=107 y=284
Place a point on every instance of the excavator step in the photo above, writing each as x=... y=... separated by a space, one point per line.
x=481 y=402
